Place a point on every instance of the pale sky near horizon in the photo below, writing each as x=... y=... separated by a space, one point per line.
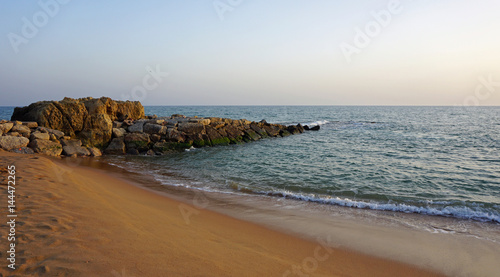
x=242 y=52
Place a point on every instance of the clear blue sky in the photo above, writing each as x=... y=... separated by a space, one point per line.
x=252 y=52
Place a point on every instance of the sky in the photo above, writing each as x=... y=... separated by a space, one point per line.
x=252 y=52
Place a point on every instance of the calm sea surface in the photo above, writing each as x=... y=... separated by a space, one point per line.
x=429 y=160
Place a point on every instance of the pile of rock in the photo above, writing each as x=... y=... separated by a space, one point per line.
x=156 y=136
x=29 y=138
x=87 y=126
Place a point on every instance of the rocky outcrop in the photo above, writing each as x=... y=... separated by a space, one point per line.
x=87 y=126
x=88 y=119
x=161 y=135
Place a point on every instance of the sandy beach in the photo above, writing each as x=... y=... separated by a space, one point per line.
x=75 y=221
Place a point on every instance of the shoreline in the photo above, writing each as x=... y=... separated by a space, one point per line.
x=441 y=244
x=77 y=221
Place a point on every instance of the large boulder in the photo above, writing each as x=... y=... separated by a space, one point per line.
x=137 y=141
x=138 y=127
x=9 y=142
x=46 y=147
x=74 y=147
x=116 y=147
x=94 y=152
x=98 y=130
x=191 y=128
x=155 y=129
x=21 y=129
x=119 y=132
x=87 y=118
x=5 y=127
x=40 y=135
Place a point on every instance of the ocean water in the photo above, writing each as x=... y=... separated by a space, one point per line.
x=440 y=161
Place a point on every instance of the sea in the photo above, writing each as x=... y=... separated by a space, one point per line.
x=437 y=161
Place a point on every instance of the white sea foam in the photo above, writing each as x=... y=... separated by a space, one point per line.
x=315 y=123
x=462 y=212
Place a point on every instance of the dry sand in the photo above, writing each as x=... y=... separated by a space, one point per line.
x=77 y=221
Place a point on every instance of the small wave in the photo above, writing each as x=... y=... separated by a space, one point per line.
x=461 y=212
x=316 y=123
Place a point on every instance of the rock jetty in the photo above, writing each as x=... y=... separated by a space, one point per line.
x=89 y=127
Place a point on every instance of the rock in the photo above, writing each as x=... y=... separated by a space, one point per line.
x=14 y=134
x=156 y=121
x=66 y=137
x=252 y=135
x=295 y=129
x=258 y=130
x=233 y=132
x=173 y=135
x=21 y=129
x=117 y=124
x=191 y=128
x=150 y=152
x=53 y=137
x=31 y=124
x=56 y=133
x=97 y=130
x=23 y=150
x=116 y=147
x=155 y=137
x=119 y=132
x=133 y=151
x=137 y=141
x=245 y=122
x=87 y=118
x=163 y=147
x=177 y=115
x=75 y=150
x=155 y=129
x=5 y=127
x=39 y=135
x=203 y=121
x=216 y=138
x=127 y=123
x=94 y=152
x=306 y=127
x=315 y=128
x=138 y=127
x=284 y=133
x=271 y=130
x=11 y=142
x=71 y=142
x=46 y=147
